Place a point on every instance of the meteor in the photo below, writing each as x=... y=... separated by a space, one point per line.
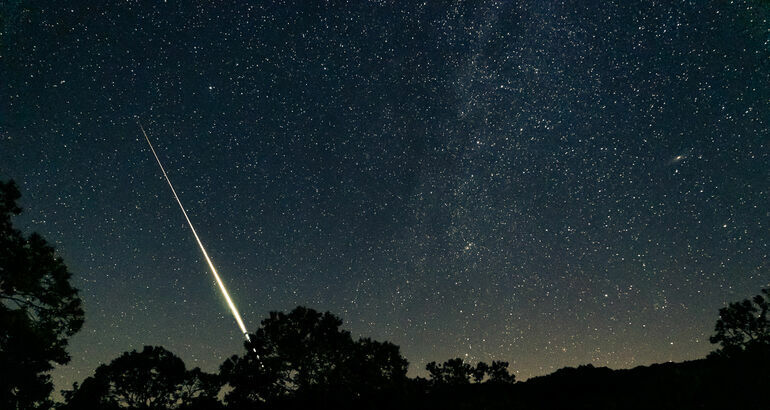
x=200 y=244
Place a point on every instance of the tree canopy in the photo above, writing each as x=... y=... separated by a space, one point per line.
x=39 y=311
x=455 y=372
x=305 y=356
x=151 y=379
x=743 y=326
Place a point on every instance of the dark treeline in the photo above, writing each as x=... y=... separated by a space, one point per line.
x=305 y=359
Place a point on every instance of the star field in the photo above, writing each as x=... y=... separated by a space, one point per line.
x=545 y=183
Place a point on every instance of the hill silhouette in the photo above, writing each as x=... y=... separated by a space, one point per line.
x=714 y=383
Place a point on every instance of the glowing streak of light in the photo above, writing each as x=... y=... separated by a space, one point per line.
x=200 y=244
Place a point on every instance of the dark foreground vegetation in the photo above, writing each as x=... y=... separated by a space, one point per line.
x=712 y=383
x=304 y=360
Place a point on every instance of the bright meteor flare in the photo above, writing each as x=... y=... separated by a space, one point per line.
x=200 y=244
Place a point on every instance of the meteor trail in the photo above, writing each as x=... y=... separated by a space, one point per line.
x=200 y=244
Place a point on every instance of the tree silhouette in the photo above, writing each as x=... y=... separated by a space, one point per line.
x=304 y=356
x=39 y=311
x=92 y=394
x=451 y=372
x=151 y=379
x=498 y=373
x=456 y=372
x=743 y=326
x=376 y=367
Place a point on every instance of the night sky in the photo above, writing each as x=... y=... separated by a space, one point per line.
x=547 y=183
